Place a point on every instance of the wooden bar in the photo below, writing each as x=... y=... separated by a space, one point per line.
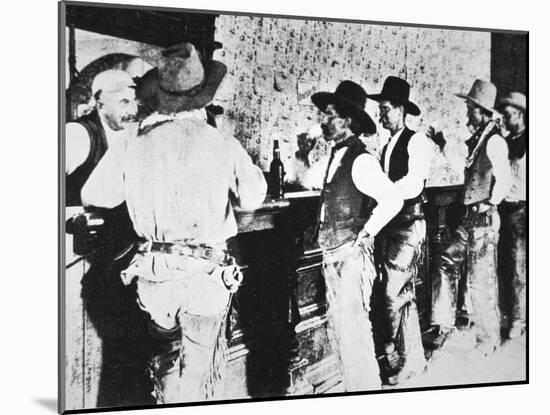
x=277 y=337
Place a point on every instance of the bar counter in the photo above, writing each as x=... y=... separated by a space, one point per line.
x=276 y=327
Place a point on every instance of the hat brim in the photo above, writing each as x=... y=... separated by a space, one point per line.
x=409 y=106
x=503 y=102
x=154 y=98
x=476 y=102
x=323 y=99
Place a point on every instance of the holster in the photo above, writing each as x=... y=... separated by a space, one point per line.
x=474 y=217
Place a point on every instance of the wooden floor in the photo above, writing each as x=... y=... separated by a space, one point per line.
x=456 y=365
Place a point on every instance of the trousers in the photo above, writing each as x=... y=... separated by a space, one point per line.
x=513 y=260
x=399 y=252
x=473 y=244
x=349 y=274
x=187 y=305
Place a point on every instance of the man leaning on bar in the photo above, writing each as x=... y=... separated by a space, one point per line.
x=180 y=178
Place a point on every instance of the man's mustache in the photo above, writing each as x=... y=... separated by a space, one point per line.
x=128 y=118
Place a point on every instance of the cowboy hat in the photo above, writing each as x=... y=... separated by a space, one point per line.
x=180 y=82
x=482 y=94
x=350 y=98
x=515 y=99
x=396 y=90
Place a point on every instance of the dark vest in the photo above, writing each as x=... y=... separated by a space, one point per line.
x=98 y=147
x=399 y=164
x=478 y=178
x=517 y=146
x=346 y=209
x=117 y=234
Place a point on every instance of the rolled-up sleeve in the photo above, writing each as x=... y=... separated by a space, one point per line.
x=368 y=177
x=248 y=183
x=421 y=152
x=105 y=186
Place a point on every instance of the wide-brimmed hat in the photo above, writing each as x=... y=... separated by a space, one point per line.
x=515 y=99
x=396 y=90
x=483 y=94
x=350 y=97
x=180 y=82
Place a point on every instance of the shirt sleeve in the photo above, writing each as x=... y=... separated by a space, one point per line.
x=77 y=146
x=497 y=151
x=368 y=177
x=105 y=186
x=420 y=151
x=248 y=185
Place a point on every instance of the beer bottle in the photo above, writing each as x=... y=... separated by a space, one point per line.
x=276 y=173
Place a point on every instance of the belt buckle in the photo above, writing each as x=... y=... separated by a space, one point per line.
x=165 y=248
x=146 y=246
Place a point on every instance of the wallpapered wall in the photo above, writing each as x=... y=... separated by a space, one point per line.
x=274 y=65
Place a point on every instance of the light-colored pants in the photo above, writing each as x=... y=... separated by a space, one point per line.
x=400 y=251
x=197 y=304
x=349 y=274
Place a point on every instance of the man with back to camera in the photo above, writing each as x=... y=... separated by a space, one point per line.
x=180 y=178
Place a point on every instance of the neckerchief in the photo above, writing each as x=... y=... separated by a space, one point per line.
x=155 y=119
x=517 y=145
x=344 y=143
x=473 y=140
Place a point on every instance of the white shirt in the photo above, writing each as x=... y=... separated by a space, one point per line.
x=497 y=152
x=368 y=177
x=421 y=151
x=518 y=188
x=180 y=181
